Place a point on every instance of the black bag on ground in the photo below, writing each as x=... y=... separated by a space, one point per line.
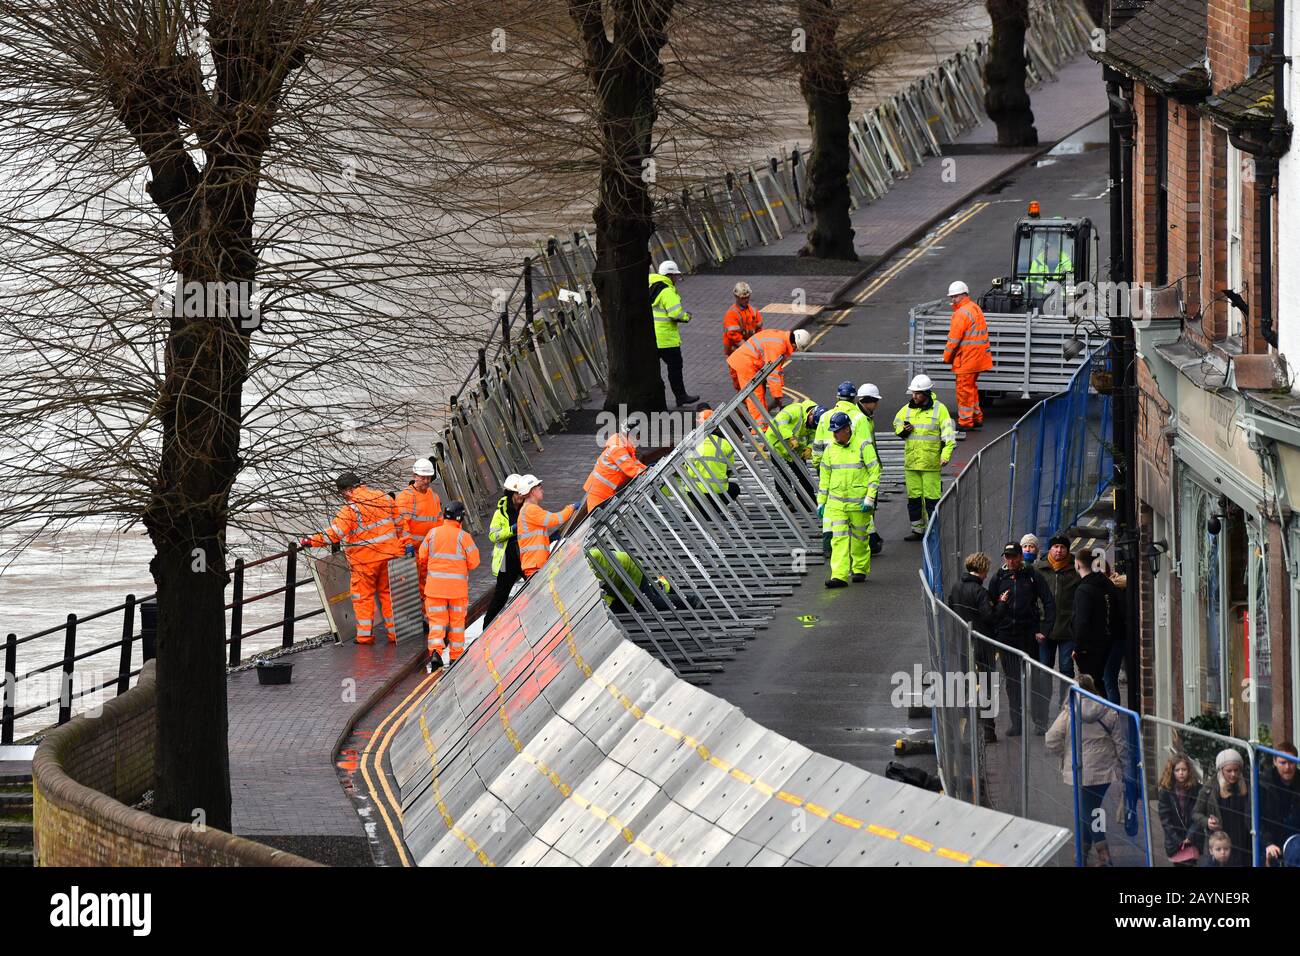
x=912 y=775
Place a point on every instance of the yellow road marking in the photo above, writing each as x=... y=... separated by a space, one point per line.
x=378 y=756
x=880 y=281
x=751 y=781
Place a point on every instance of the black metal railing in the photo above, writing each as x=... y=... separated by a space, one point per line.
x=66 y=665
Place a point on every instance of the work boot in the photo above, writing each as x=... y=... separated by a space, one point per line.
x=433 y=663
x=687 y=400
x=877 y=543
x=365 y=640
x=392 y=638
x=859 y=578
x=914 y=536
x=837 y=583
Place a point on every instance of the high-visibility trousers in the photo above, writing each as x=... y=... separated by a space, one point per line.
x=922 y=496
x=370 y=580
x=968 y=399
x=850 y=544
x=757 y=402
x=446 y=616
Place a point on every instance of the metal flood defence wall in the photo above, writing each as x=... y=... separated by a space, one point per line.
x=559 y=740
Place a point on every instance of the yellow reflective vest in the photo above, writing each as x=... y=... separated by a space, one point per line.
x=933 y=436
x=613 y=582
x=666 y=307
x=790 y=424
x=822 y=438
x=500 y=531
x=709 y=468
x=848 y=473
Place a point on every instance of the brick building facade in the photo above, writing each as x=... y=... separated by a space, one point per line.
x=1218 y=432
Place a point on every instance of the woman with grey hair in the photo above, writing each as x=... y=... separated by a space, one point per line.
x=1224 y=804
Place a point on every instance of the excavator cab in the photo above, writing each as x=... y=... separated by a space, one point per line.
x=1050 y=257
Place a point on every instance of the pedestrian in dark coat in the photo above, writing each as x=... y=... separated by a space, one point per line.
x=1224 y=804
x=1279 y=803
x=1092 y=617
x=1024 y=610
x=971 y=602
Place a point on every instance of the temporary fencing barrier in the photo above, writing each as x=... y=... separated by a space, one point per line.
x=1058 y=460
x=546 y=353
x=1029 y=349
x=550 y=350
x=564 y=735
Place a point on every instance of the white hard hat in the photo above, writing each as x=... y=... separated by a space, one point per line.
x=921 y=383
x=422 y=466
x=511 y=483
x=741 y=288
x=669 y=268
x=527 y=483
x=958 y=288
x=801 y=338
x=868 y=391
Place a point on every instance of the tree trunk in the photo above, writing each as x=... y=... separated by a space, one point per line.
x=1007 y=101
x=825 y=88
x=625 y=73
x=211 y=215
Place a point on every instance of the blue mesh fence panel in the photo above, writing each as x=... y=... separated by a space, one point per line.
x=1025 y=477
x=1104 y=751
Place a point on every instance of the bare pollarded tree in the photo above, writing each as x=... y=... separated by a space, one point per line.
x=837 y=49
x=231 y=233
x=1006 y=100
x=617 y=104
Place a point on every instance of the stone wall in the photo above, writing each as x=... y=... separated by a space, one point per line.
x=88 y=772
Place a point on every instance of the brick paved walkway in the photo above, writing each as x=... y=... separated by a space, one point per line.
x=286 y=788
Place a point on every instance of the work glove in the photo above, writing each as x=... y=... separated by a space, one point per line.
x=906 y=429
x=868 y=505
x=805 y=454
x=577 y=505
x=410 y=550
x=945 y=459
x=821 y=511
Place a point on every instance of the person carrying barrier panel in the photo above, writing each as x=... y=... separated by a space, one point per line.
x=369 y=528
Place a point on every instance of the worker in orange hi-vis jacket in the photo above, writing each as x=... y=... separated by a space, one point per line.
x=769 y=345
x=448 y=554
x=369 y=528
x=420 y=509
x=968 y=353
x=740 y=323
x=536 y=525
x=616 y=466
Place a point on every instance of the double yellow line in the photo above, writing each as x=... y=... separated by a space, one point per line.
x=920 y=249
x=373 y=756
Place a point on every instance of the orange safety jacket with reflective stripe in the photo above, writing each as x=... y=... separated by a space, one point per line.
x=534 y=542
x=616 y=466
x=968 y=340
x=769 y=345
x=738 y=325
x=450 y=555
x=421 y=512
x=368 y=526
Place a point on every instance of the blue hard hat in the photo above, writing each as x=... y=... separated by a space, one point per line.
x=840 y=420
x=846 y=390
x=817 y=412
